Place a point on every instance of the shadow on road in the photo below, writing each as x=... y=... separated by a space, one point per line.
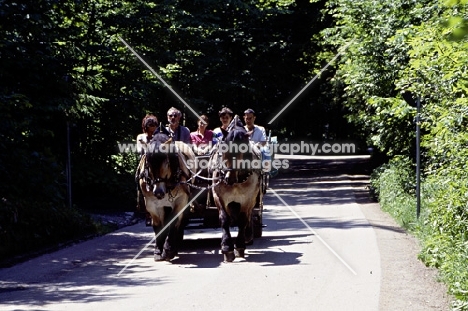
x=68 y=275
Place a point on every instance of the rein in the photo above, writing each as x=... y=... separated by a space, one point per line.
x=146 y=174
x=224 y=170
x=173 y=182
x=197 y=174
x=150 y=180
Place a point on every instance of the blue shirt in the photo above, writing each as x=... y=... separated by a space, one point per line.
x=181 y=134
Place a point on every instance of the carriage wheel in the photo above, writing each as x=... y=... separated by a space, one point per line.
x=265 y=182
x=258 y=227
x=257 y=221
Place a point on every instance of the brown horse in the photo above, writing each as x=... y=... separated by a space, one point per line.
x=163 y=174
x=237 y=162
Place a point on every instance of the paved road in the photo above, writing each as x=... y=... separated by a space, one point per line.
x=318 y=252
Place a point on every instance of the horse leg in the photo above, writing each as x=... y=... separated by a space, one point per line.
x=249 y=234
x=243 y=223
x=227 y=246
x=172 y=241
x=158 y=247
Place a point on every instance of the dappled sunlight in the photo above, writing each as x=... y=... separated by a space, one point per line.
x=133 y=234
x=83 y=289
x=121 y=266
x=266 y=250
x=93 y=271
x=313 y=197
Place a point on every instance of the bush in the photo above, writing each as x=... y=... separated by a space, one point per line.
x=394 y=185
x=444 y=233
x=26 y=227
x=33 y=214
x=443 y=223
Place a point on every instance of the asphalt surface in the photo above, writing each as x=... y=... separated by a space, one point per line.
x=321 y=250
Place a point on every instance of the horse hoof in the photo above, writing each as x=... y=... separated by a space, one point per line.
x=239 y=252
x=158 y=257
x=229 y=256
x=168 y=255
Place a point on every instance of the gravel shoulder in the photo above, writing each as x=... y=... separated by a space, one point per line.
x=407 y=284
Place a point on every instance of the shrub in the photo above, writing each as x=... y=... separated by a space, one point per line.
x=394 y=185
x=443 y=223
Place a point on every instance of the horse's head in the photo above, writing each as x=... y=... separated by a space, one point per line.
x=162 y=162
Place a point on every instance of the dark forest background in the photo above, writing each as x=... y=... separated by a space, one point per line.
x=69 y=84
x=70 y=92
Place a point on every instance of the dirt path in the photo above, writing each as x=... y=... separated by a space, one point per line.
x=407 y=284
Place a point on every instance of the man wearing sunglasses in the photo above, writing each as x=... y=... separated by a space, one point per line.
x=178 y=132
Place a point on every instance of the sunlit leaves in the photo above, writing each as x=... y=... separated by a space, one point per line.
x=371 y=66
x=421 y=49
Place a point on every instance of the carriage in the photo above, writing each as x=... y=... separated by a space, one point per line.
x=204 y=213
x=218 y=194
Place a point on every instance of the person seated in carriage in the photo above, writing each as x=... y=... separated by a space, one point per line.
x=225 y=116
x=177 y=131
x=148 y=125
x=257 y=134
x=203 y=138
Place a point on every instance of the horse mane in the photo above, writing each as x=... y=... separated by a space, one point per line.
x=159 y=139
x=236 y=131
x=157 y=152
x=160 y=136
x=237 y=135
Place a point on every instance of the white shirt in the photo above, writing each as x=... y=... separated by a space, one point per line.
x=258 y=134
x=142 y=140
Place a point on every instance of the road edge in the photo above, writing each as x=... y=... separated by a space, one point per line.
x=406 y=284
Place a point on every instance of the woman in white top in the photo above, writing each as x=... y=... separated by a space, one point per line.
x=148 y=125
x=225 y=116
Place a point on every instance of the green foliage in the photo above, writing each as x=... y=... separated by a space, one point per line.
x=440 y=63
x=394 y=185
x=32 y=195
x=27 y=227
x=442 y=223
x=68 y=83
x=419 y=47
x=444 y=233
x=369 y=68
x=63 y=64
x=391 y=121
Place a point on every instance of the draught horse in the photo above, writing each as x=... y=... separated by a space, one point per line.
x=163 y=175
x=236 y=162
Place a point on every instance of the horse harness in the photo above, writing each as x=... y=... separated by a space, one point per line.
x=172 y=182
x=175 y=180
x=245 y=173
